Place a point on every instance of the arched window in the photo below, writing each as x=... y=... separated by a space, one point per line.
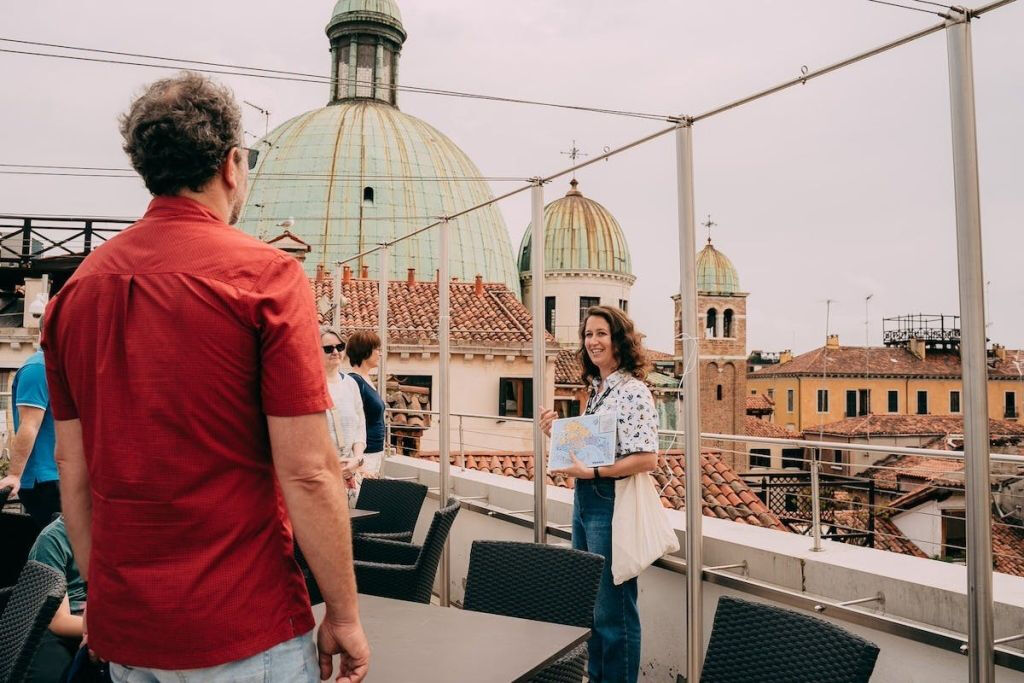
x=727 y=323
x=710 y=324
x=718 y=392
x=368 y=195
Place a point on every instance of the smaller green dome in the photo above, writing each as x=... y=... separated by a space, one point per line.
x=715 y=272
x=385 y=11
x=579 y=235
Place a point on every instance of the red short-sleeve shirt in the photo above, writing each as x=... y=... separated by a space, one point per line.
x=172 y=343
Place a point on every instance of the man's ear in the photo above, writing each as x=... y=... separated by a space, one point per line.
x=229 y=168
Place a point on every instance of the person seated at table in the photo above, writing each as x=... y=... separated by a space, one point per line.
x=62 y=639
x=345 y=419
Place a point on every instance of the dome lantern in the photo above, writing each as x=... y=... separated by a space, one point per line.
x=366 y=38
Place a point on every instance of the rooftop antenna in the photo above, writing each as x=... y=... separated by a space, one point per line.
x=574 y=153
x=266 y=116
x=709 y=224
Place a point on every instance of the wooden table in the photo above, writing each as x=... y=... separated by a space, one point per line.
x=428 y=644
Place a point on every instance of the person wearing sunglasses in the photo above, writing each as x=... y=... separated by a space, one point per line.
x=345 y=419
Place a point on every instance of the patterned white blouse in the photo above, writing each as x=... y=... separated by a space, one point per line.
x=637 y=429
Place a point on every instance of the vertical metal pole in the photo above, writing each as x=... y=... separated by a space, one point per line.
x=462 y=445
x=816 y=499
x=691 y=401
x=540 y=480
x=972 y=348
x=336 y=313
x=444 y=398
x=382 y=321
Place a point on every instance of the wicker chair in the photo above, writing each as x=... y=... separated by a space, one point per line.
x=755 y=642
x=404 y=571
x=539 y=582
x=29 y=609
x=18 y=532
x=398 y=503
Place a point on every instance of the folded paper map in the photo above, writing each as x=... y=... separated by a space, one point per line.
x=590 y=438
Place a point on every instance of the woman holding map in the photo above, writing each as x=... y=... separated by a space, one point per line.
x=614 y=368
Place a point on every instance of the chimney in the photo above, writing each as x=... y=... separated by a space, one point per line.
x=365 y=273
x=999 y=351
x=319 y=272
x=437 y=276
x=832 y=343
x=916 y=347
x=410 y=279
x=346 y=274
x=785 y=356
x=478 y=286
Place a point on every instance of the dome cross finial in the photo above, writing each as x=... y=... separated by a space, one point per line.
x=709 y=224
x=574 y=153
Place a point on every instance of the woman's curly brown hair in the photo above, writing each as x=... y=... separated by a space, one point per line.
x=627 y=344
x=178 y=132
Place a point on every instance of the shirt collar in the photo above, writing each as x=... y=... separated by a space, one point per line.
x=174 y=205
x=612 y=381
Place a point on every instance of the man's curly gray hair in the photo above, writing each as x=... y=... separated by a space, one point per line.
x=179 y=130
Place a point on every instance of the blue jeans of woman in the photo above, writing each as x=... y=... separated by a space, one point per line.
x=615 y=644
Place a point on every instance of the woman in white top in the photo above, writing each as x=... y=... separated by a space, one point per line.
x=345 y=420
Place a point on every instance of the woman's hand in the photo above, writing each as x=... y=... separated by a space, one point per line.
x=577 y=470
x=349 y=466
x=547 y=416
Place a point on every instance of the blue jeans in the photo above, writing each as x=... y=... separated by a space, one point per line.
x=293 y=661
x=615 y=644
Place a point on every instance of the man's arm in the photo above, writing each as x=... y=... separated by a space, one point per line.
x=30 y=419
x=310 y=476
x=65 y=623
x=75 y=496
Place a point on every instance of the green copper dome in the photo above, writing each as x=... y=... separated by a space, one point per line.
x=359 y=172
x=579 y=235
x=332 y=171
x=715 y=272
x=385 y=11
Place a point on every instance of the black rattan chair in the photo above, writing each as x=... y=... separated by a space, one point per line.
x=404 y=571
x=18 y=532
x=755 y=642
x=29 y=609
x=398 y=503
x=539 y=582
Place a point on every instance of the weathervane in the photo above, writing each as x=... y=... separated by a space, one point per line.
x=709 y=224
x=574 y=153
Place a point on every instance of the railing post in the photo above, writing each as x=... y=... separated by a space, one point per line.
x=816 y=499
x=336 y=313
x=540 y=475
x=691 y=400
x=462 y=445
x=87 y=233
x=444 y=397
x=382 y=320
x=972 y=348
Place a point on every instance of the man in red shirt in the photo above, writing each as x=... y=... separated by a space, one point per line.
x=185 y=378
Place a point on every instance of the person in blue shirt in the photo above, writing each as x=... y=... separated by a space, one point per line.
x=363 y=351
x=33 y=471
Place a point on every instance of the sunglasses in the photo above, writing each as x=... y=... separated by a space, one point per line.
x=254 y=155
x=334 y=347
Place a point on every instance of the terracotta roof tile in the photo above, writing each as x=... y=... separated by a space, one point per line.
x=567 y=368
x=886 y=362
x=756 y=427
x=760 y=404
x=733 y=500
x=911 y=425
x=495 y=318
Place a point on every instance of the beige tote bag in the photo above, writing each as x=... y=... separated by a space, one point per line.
x=641 y=532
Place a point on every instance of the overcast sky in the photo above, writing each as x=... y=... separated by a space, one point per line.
x=837 y=189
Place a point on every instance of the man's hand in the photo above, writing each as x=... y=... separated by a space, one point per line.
x=13 y=482
x=546 y=418
x=348 y=640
